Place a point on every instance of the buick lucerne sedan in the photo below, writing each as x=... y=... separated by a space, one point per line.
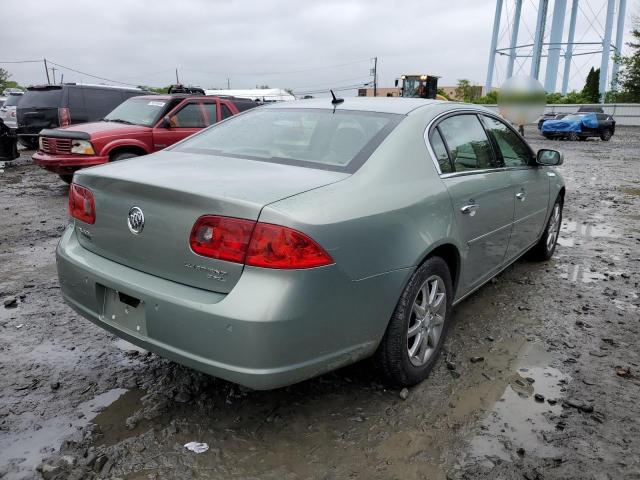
x=296 y=238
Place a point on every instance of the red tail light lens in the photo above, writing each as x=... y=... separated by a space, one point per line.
x=64 y=117
x=81 y=204
x=224 y=238
x=256 y=244
x=273 y=246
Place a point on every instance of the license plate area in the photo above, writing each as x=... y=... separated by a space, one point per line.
x=123 y=310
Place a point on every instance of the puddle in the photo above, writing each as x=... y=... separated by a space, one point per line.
x=516 y=419
x=29 y=447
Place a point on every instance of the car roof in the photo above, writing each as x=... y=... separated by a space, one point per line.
x=399 y=106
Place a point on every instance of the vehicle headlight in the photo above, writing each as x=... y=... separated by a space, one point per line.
x=83 y=147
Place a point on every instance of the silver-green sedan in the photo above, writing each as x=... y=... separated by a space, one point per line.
x=297 y=238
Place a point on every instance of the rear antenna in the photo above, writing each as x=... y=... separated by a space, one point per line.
x=336 y=100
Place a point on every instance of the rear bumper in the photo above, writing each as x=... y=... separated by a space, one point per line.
x=66 y=164
x=273 y=329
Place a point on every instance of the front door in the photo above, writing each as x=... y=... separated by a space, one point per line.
x=530 y=183
x=482 y=197
x=186 y=119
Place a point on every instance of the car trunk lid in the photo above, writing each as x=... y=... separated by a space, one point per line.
x=173 y=190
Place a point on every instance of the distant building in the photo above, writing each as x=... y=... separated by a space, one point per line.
x=382 y=92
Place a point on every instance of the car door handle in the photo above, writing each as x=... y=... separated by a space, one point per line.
x=469 y=209
x=521 y=196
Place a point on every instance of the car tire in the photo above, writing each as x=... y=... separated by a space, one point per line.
x=28 y=142
x=67 y=178
x=423 y=308
x=122 y=156
x=573 y=136
x=543 y=250
x=605 y=135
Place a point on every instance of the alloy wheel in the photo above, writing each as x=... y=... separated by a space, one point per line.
x=554 y=227
x=426 y=321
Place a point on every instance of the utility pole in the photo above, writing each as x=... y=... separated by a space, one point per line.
x=375 y=76
x=46 y=70
x=177 y=80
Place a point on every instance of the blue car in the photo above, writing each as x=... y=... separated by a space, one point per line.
x=580 y=126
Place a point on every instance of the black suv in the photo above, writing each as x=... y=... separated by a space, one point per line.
x=51 y=106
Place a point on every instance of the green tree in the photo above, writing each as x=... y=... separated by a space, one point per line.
x=591 y=90
x=629 y=77
x=465 y=91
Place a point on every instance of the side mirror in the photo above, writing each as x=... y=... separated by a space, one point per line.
x=166 y=122
x=549 y=158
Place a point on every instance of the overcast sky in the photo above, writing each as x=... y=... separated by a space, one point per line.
x=302 y=45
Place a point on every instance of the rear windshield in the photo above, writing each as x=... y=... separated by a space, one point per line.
x=137 y=111
x=12 y=100
x=315 y=138
x=42 y=98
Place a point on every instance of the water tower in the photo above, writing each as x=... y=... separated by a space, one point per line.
x=520 y=42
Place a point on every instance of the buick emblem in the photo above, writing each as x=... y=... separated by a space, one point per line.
x=135 y=220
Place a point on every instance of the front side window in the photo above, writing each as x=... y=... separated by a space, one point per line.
x=468 y=143
x=316 y=138
x=189 y=116
x=514 y=152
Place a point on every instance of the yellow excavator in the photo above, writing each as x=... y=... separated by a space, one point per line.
x=419 y=86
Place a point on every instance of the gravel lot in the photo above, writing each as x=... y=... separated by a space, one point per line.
x=553 y=396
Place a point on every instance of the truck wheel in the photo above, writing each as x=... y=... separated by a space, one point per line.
x=415 y=334
x=605 y=136
x=573 y=136
x=123 y=156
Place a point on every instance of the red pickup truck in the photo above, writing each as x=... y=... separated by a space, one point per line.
x=138 y=126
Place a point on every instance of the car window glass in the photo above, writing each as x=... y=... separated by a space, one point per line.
x=226 y=113
x=99 y=101
x=441 y=151
x=467 y=142
x=188 y=116
x=513 y=150
x=211 y=113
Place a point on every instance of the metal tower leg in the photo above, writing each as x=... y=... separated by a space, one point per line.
x=514 y=38
x=606 y=48
x=569 y=51
x=494 y=43
x=622 y=6
x=539 y=38
x=555 y=41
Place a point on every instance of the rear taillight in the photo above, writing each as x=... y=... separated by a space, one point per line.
x=81 y=204
x=255 y=243
x=64 y=116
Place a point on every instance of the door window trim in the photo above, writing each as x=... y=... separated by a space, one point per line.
x=433 y=124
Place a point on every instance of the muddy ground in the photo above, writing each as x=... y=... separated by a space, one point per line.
x=556 y=395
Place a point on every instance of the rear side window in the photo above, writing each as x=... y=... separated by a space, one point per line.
x=226 y=113
x=514 y=152
x=468 y=143
x=442 y=156
x=100 y=101
x=42 y=98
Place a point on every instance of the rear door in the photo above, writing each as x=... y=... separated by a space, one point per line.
x=186 y=119
x=481 y=193
x=530 y=185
